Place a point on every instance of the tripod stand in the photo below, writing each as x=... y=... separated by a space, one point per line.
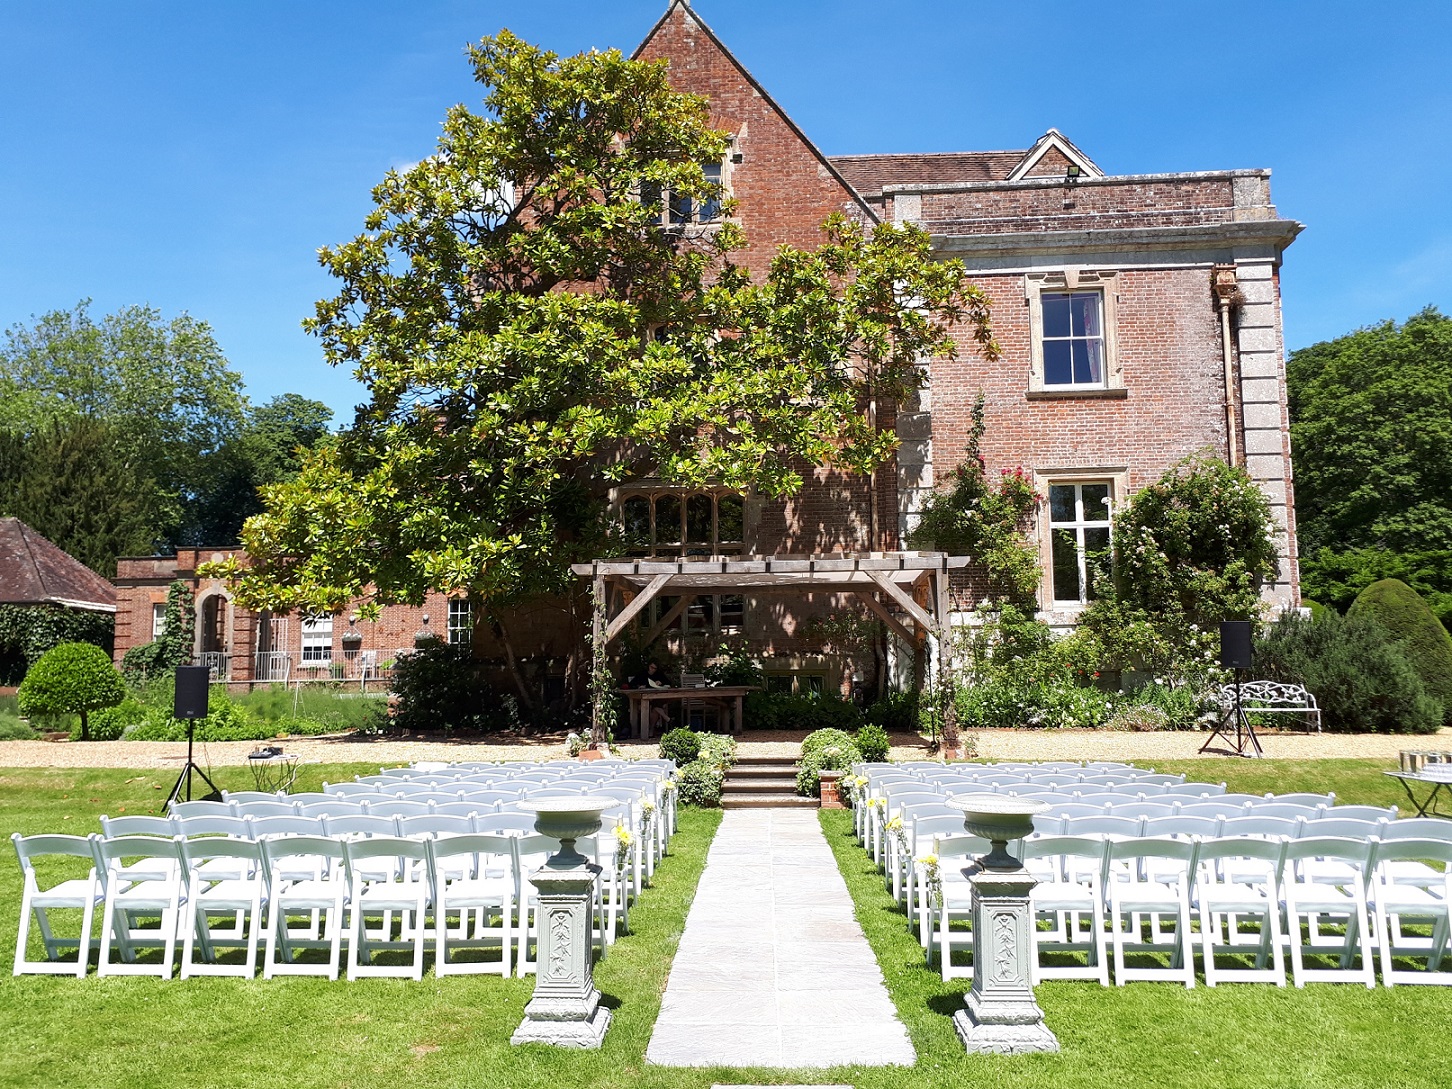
x=1245 y=738
x=188 y=769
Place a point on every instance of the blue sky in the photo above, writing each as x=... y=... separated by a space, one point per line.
x=194 y=156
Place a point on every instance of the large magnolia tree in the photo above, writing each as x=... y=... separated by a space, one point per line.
x=533 y=330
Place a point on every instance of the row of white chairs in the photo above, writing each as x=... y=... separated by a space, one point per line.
x=1333 y=898
x=212 y=893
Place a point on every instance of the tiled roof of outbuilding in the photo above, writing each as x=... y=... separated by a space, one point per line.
x=35 y=572
x=869 y=173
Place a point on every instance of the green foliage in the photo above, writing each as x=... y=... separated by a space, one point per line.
x=681 y=745
x=735 y=665
x=1361 y=679
x=78 y=483
x=504 y=403
x=1371 y=425
x=111 y=723
x=1411 y=624
x=161 y=388
x=161 y=657
x=1336 y=576
x=799 y=711
x=872 y=743
x=12 y=726
x=440 y=689
x=987 y=520
x=895 y=712
x=699 y=784
x=28 y=631
x=1012 y=703
x=315 y=708
x=1190 y=551
x=718 y=749
x=74 y=679
x=823 y=750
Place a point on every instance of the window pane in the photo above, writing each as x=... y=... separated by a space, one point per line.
x=664 y=605
x=667 y=520
x=779 y=682
x=1096 y=551
x=635 y=524
x=733 y=612
x=1094 y=365
x=710 y=206
x=1066 y=566
x=1061 y=503
x=813 y=683
x=1082 y=370
x=651 y=196
x=1096 y=502
x=1058 y=366
x=698 y=519
x=1056 y=315
x=680 y=209
x=1086 y=314
x=729 y=519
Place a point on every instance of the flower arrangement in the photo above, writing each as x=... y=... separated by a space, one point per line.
x=623 y=841
x=899 y=834
x=932 y=879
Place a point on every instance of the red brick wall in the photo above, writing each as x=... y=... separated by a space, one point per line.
x=1087 y=204
x=784 y=189
x=1168 y=344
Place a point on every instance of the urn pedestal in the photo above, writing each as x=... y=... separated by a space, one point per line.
x=565 y=1010
x=1000 y=1014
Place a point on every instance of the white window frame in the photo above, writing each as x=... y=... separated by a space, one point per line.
x=158 y=620
x=317 y=639
x=1075 y=282
x=666 y=217
x=1117 y=480
x=460 y=621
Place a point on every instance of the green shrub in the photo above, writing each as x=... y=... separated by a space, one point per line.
x=111 y=723
x=718 y=749
x=1315 y=608
x=1410 y=622
x=14 y=728
x=895 y=712
x=735 y=666
x=872 y=743
x=1013 y=703
x=681 y=745
x=440 y=689
x=800 y=711
x=72 y=678
x=1139 y=717
x=699 y=783
x=327 y=708
x=1362 y=681
x=827 y=749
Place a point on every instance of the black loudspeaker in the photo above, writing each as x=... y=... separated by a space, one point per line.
x=191 y=691
x=1235 y=644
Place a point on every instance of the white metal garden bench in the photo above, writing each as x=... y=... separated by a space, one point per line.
x=1271 y=697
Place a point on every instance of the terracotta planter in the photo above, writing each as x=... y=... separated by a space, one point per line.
x=590 y=754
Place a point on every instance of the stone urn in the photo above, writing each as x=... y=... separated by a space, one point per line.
x=998 y=818
x=565 y=1010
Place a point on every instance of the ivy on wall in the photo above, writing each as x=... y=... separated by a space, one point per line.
x=28 y=631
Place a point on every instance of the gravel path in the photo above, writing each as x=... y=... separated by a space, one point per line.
x=992 y=745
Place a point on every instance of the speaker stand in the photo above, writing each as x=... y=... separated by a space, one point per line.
x=1245 y=743
x=188 y=769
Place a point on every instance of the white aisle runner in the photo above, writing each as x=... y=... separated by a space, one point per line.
x=773 y=969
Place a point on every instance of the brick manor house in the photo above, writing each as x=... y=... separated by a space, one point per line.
x=1140 y=322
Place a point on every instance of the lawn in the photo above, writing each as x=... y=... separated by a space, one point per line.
x=455 y=1032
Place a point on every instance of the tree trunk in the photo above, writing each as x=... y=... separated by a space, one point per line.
x=500 y=633
x=85 y=728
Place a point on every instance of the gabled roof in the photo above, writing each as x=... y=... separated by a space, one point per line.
x=870 y=173
x=1049 y=142
x=35 y=572
x=689 y=13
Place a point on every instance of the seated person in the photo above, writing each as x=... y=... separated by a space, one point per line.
x=652 y=677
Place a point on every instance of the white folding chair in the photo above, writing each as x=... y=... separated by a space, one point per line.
x=1141 y=884
x=225 y=876
x=1396 y=906
x=1326 y=908
x=475 y=877
x=386 y=874
x=1234 y=879
x=308 y=875
x=1068 y=904
x=954 y=902
x=128 y=903
x=68 y=893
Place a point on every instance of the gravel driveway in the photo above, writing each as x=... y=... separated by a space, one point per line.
x=992 y=745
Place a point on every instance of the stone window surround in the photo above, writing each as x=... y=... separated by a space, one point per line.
x=1117 y=477
x=460 y=621
x=1105 y=281
x=317 y=638
x=696 y=223
x=652 y=492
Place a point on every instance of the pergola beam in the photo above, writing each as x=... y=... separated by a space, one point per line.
x=642 y=599
x=908 y=605
x=882 y=613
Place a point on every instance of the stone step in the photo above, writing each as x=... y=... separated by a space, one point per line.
x=783 y=786
x=759 y=761
x=786 y=771
x=767 y=801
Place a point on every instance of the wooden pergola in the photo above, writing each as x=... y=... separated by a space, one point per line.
x=916 y=583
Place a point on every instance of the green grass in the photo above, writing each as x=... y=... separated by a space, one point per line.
x=1356 y=782
x=127 y=1033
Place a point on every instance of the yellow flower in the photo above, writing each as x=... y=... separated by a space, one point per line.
x=928 y=861
x=623 y=836
x=894 y=824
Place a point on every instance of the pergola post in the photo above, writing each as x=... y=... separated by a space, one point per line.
x=601 y=682
x=942 y=606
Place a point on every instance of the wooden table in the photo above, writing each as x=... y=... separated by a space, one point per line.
x=726 y=697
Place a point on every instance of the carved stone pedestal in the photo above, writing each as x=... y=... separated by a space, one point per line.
x=1001 y=1015
x=565 y=1010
